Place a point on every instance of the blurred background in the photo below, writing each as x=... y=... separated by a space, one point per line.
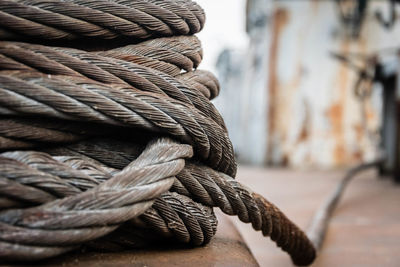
x=309 y=87
x=285 y=99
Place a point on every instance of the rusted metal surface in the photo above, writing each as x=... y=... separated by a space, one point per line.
x=280 y=19
x=309 y=114
x=226 y=249
x=363 y=231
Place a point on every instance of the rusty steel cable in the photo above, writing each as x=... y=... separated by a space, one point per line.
x=67 y=214
x=214 y=189
x=362 y=90
x=320 y=221
x=74 y=124
x=101 y=19
x=72 y=62
x=79 y=99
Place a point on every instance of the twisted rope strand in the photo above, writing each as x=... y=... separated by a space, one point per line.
x=216 y=189
x=72 y=62
x=182 y=216
x=201 y=80
x=89 y=106
x=178 y=216
x=172 y=215
x=183 y=52
x=76 y=19
x=25 y=130
x=79 y=99
x=126 y=195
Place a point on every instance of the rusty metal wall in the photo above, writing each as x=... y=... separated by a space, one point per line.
x=285 y=100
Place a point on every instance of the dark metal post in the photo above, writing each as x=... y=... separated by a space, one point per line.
x=390 y=120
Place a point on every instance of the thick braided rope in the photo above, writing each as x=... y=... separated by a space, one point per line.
x=76 y=19
x=171 y=55
x=21 y=133
x=72 y=62
x=172 y=218
x=52 y=226
x=210 y=188
x=202 y=80
x=132 y=87
x=172 y=215
x=219 y=190
x=216 y=189
x=74 y=98
x=177 y=52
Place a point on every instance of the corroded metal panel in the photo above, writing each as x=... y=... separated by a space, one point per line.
x=309 y=114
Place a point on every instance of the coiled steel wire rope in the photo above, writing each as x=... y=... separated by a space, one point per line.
x=74 y=124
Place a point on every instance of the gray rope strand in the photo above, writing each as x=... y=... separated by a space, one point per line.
x=79 y=193
x=79 y=99
x=25 y=130
x=72 y=62
x=319 y=224
x=22 y=133
x=177 y=216
x=216 y=189
x=171 y=216
x=59 y=225
x=77 y=19
x=169 y=55
x=201 y=80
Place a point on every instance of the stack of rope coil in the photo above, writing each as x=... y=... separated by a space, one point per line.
x=108 y=137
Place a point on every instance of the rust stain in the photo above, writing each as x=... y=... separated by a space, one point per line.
x=284 y=102
x=357 y=156
x=304 y=133
x=280 y=19
x=285 y=160
x=336 y=112
x=314 y=5
x=359 y=131
x=370 y=114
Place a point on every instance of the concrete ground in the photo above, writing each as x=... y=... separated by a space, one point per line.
x=365 y=228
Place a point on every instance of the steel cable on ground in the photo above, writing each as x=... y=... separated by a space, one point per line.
x=83 y=114
x=202 y=184
x=69 y=103
x=171 y=215
x=214 y=189
x=267 y=232
x=51 y=225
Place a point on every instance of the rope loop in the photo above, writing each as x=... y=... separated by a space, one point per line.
x=108 y=137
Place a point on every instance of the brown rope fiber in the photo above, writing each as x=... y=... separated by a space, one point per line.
x=74 y=19
x=78 y=216
x=216 y=189
x=115 y=144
